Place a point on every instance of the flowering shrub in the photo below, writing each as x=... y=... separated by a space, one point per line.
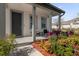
x=63 y=46
x=50 y=33
x=62 y=43
x=69 y=33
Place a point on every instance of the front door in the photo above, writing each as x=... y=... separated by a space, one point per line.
x=17 y=24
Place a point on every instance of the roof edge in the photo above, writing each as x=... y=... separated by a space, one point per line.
x=52 y=7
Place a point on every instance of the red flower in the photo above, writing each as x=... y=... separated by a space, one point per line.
x=50 y=33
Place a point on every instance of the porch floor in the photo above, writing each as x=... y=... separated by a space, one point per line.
x=27 y=39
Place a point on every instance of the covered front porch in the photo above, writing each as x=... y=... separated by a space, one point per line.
x=34 y=32
x=32 y=19
x=53 y=11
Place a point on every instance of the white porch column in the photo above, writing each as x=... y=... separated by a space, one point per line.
x=50 y=22
x=33 y=21
x=59 y=22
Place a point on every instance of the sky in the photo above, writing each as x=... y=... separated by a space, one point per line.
x=71 y=10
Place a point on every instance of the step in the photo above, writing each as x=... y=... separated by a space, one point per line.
x=22 y=44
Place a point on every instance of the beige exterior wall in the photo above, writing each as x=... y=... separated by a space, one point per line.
x=8 y=21
x=26 y=28
x=26 y=31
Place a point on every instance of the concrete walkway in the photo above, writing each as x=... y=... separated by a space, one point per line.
x=33 y=52
x=23 y=46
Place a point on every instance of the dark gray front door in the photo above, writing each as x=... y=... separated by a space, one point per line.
x=17 y=24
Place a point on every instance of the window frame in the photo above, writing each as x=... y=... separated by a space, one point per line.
x=43 y=22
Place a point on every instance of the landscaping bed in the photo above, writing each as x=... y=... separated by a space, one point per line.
x=58 y=45
x=37 y=46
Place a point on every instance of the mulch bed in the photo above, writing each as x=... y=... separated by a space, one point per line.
x=36 y=45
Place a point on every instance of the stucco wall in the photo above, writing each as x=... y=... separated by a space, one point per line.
x=2 y=20
x=8 y=21
x=25 y=23
x=39 y=23
x=26 y=31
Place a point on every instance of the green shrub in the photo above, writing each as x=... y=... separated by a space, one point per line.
x=68 y=54
x=76 y=40
x=6 y=45
x=52 y=39
x=42 y=43
x=68 y=51
x=63 y=46
x=69 y=48
x=60 y=50
x=63 y=35
x=52 y=48
x=64 y=50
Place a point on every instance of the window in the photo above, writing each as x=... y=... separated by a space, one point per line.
x=30 y=22
x=43 y=22
x=36 y=22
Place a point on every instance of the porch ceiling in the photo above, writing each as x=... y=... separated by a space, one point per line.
x=28 y=8
x=51 y=7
